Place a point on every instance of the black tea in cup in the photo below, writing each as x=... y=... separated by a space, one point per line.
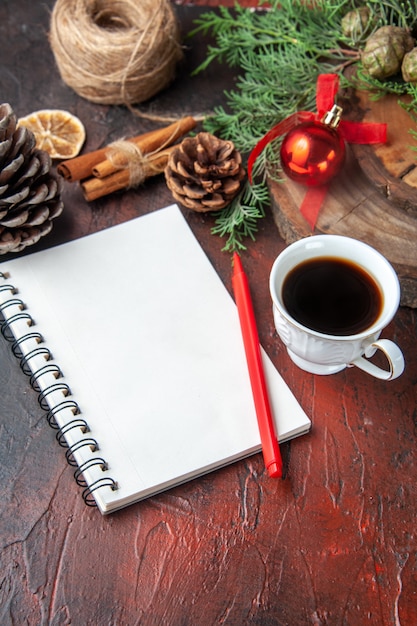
x=332 y=295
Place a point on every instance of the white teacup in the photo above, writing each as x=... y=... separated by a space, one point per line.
x=322 y=350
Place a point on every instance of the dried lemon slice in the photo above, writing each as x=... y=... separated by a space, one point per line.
x=60 y=133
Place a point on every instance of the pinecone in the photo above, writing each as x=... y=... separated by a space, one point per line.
x=385 y=50
x=29 y=193
x=204 y=173
x=409 y=66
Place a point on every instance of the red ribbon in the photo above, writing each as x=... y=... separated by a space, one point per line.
x=352 y=132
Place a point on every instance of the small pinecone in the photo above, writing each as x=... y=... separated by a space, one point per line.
x=356 y=23
x=409 y=66
x=29 y=193
x=204 y=173
x=385 y=50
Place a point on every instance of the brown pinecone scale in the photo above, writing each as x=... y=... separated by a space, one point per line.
x=204 y=173
x=30 y=195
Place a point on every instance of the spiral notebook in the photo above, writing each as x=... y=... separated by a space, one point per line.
x=133 y=345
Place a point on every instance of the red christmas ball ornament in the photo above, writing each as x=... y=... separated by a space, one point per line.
x=313 y=152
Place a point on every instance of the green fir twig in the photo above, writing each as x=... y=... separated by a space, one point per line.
x=278 y=54
x=239 y=220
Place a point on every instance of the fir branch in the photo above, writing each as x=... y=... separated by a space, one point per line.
x=239 y=220
x=306 y=29
x=279 y=54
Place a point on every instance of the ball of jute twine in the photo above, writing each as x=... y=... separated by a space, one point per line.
x=115 y=51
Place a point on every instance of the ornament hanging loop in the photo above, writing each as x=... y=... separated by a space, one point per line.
x=332 y=118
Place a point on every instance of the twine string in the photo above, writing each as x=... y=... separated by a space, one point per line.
x=126 y=155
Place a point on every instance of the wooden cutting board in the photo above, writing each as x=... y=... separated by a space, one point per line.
x=373 y=199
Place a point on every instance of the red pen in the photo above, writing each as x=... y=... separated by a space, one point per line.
x=270 y=447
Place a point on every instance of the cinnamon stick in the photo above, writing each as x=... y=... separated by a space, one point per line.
x=94 y=188
x=81 y=167
x=159 y=139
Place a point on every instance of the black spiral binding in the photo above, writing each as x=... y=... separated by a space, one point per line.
x=58 y=386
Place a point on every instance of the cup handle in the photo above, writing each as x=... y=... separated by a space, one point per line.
x=394 y=357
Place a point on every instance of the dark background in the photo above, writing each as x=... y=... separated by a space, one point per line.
x=333 y=543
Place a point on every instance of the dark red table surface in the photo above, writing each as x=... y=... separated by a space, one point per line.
x=333 y=543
